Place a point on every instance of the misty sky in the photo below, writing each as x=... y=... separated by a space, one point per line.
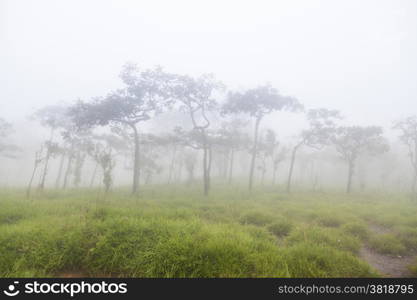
x=356 y=56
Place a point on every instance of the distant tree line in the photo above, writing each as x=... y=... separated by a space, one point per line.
x=216 y=132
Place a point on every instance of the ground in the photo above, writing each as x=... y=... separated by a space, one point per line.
x=174 y=231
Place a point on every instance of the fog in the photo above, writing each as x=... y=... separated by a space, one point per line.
x=357 y=57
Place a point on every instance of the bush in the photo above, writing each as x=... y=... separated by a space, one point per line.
x=280 y=228
x=329 y=220
x=387 y=244
x=256 y=218
x=408 y=237
x=177 y=248
x=311 y=260
x=358 y=230
x=326 y=237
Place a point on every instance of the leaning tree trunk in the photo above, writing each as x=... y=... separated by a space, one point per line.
x=254 y=151
x=351 y=169
x=61 y=167
x=294 y=152
x=69 y=166
x=48 y=156
x=35 y=167
x=135 y=184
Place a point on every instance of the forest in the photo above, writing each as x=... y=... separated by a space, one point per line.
x=208 y=139
x=205 y=198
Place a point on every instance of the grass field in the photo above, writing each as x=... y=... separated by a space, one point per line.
x=176 y=232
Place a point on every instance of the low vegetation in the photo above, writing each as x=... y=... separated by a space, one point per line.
x=226 y=235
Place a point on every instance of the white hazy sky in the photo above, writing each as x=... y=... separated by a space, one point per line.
x=359 y=56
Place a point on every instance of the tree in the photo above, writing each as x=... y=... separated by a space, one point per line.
x=146 y=94
x=51 y=117
x=257 y=103
x=353 y=141
x=196 y=98
x=267 y=146
x=6 y=149
x=321 y=127
x=232 y=137
x=408 y=129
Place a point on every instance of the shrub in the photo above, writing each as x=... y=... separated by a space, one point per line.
x=256 y=218
x=358 y=230
x=387 y=244
x=408 y=237
x=329 y=220
x=280 y=228
x=325 y=236
x=311 y=260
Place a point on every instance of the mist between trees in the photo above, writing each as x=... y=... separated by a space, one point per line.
x=202 y=133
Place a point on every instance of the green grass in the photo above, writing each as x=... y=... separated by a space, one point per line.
x=176 y=232
x=387 y=244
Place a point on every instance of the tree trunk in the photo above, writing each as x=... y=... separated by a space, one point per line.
x=171 y=167
x=210 y=156
x=350 y=176
x=254 y=151
x=294 y=152
x=61 y=167
x=68 y=171
x=274 y=174
x=135 y=184
x=48 y=155
x=35 y=167
x=93 y=177
x=232 y=154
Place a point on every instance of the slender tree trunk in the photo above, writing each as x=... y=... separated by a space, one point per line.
x=274 y=174
x=351 y=170
x=171 y=168
x=209 y=164
x=254 y=151
x=35 y=167
x=48 y=155
x=135 y=184
x=61 y=167
x=232 y=154
x=69 y=166
x=206 y=188
x=93 y=177
x=294 y=152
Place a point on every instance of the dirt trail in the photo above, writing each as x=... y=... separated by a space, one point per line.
x=387 y=265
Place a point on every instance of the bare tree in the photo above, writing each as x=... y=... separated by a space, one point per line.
x=196 y=98
x=144 y=96
x=321 y=127
x=408 y=129
x=257 y=103
x=354 y=141
x=7 y=149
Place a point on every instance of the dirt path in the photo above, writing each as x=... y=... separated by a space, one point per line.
x=387 y=265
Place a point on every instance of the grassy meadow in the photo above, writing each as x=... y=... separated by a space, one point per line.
x=176 y=232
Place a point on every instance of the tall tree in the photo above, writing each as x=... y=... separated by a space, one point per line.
x=196 y=97
x=146 y=94
x=51 y=117
x=353 y=141
x=258 y=103
x=408 y=129
x=322 y=124
x=6 y=149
